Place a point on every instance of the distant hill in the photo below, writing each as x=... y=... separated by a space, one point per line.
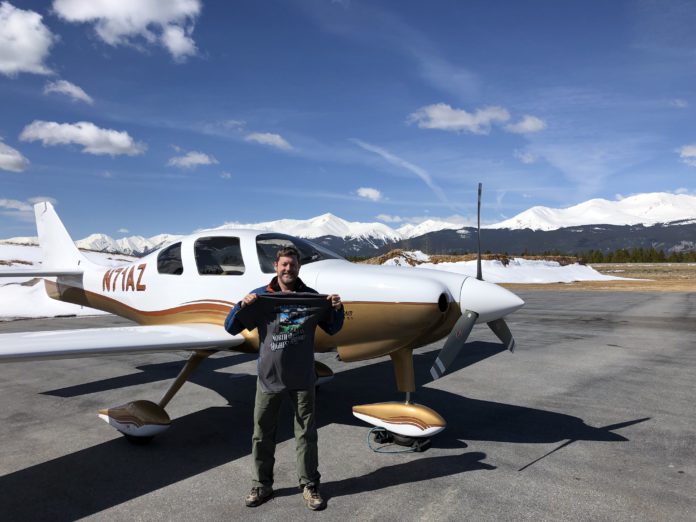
x=677 y=236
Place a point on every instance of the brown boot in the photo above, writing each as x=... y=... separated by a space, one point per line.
x=313 y=498
x=258 y=495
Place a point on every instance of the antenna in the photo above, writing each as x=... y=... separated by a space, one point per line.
x=479 y=275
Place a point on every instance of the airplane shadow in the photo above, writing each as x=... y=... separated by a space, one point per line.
x=96 y=478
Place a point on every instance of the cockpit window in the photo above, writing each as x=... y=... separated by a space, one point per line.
x=268 y=244
x=218 y=256
x=169 y=260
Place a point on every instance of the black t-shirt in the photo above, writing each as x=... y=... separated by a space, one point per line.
x=286 y=323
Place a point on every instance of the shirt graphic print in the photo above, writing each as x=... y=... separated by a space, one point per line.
x=286 y=323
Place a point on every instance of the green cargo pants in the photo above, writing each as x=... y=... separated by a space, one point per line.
x=263 y=442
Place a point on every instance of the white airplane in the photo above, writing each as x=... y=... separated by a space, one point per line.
x=180 y=295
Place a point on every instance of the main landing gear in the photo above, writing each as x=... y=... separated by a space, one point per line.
x=139 y=421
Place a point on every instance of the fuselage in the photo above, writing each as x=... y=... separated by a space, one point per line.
x=199 y=278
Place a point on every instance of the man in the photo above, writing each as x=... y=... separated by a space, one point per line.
x=286 y=313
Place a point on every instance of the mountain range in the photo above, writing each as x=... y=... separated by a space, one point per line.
x=661 y=220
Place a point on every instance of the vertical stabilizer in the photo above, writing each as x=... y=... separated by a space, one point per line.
x=58 y=249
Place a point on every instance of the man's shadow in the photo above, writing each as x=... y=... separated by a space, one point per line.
x=107 y=474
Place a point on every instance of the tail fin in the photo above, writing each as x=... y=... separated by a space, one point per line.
x=58 y=249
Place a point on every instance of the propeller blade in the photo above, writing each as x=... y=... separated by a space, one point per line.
x=479 y=274
x=454 y=343
x=501 y=330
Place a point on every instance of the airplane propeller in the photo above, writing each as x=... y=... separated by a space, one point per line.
x=462 y=328
x=454 y=343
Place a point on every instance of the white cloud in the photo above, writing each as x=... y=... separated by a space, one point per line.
x=234 y=124
x=679 y=103
x=369 y=193
x=123 y=230
x=94 y=139
x=129 y=22
x=525 y=156
x=389 y=219
x=11 y=159
x=268 y=138
x=527 y=125
x=69 y=89
x=225 y=175
x=442 y=116
x=22 y=210
x=24 y=41
x=13 y=204
x=178 y=43
x=688 y=154
x=191 y=160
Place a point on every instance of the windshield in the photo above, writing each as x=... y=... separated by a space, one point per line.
x=268 y=244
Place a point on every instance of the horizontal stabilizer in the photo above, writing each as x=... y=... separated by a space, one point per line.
x=31 y=272
x=58 y=344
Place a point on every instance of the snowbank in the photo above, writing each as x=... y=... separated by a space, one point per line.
x=523 y=271
x=25 y=297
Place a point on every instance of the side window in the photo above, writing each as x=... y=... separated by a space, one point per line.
x=268 y=244
x=218 y=256
x=169 y=260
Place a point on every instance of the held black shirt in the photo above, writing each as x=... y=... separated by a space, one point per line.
x=286 y=323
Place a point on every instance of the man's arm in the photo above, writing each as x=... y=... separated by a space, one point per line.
x=232 y=324
x=335 y=322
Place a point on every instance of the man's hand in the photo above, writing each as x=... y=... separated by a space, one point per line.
x=335 y=301
x=248 y=299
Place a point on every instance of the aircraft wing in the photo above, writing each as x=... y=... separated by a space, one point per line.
x=57 y=344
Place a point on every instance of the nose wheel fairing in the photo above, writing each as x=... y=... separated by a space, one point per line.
x=407 y=419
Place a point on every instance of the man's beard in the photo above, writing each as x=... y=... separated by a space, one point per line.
x=288 y=279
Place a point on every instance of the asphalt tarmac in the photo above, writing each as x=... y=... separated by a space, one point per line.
x=592 y=418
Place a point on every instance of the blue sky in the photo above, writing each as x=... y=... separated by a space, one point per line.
x=151 y=116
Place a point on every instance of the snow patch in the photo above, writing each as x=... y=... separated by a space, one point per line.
x=517 y=271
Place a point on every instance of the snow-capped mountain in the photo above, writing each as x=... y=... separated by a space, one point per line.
x=646 y=209
x=31 y=241
x=429 y=225
x=324 y=225
x=132 y=245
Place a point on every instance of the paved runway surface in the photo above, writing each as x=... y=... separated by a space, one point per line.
x=593 y=418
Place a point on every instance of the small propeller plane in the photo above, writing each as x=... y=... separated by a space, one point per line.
x=180 y=295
